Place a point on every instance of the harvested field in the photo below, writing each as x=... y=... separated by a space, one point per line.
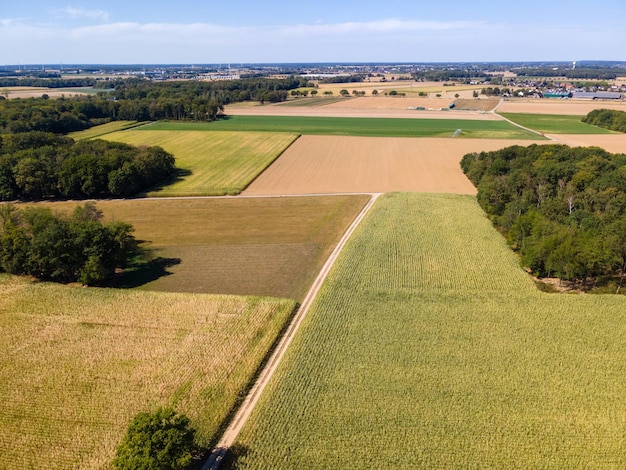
x=245 y=246
x=615 y=143
x=486 y=104
x=548 y=106
x=329 y=164
x=76 y=365
x=369 y=109
x=38 y=92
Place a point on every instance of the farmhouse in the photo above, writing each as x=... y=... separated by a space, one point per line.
x=597 y=95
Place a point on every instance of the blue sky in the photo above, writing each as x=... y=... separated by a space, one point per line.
x=239 y=31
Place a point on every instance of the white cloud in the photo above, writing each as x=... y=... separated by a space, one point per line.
x=82 y=13
x=383 y=40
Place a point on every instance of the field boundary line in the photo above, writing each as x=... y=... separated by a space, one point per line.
x=245 y=409
x=525 y=128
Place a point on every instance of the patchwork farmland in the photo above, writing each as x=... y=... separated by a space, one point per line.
x=426 y=347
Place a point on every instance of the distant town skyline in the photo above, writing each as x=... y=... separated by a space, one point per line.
x=243 y=31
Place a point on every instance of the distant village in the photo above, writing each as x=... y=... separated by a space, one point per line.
x=599 y=80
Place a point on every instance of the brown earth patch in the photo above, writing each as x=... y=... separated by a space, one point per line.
x=487 y=104
x=352 y=108
x=337 y=164
x=615 y=143
x=566 y=107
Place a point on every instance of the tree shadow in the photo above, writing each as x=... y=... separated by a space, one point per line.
x=224 y=458
x=143 y=272
x=178 y=175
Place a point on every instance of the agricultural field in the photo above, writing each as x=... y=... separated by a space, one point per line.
x=429 y=347
x=333 y=164
x=244 y=246
x=364 y=127
x=614 y=142
x=555 y=123
x=550 y=106
x=103 y=129
x=210 y=163
x=38 y=92
x=78 y=364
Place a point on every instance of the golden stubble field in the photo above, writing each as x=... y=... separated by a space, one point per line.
x=555 y=106
x=337 y=164
x=615 y=143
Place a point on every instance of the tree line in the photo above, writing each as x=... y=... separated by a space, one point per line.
x=38 y=165
x=599 y=73
x=562 y=208
x=607 y=118
x=35 y=241
x=140 y=100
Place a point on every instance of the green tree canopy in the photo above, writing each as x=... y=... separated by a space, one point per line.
x=162 y=440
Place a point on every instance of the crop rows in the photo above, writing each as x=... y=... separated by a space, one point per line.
x=428 y=347
x=214 y=163
x=78 y=364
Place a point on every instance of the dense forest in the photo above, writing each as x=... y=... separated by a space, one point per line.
x=562 y=208
x=37 y=242
x=139 y=100
x=599 y=73
x=607 y=118
x=39 y=165
x=444 y=75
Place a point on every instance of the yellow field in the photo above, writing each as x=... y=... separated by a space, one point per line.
x=98 y=131
x=78 y=364
x=213 y=163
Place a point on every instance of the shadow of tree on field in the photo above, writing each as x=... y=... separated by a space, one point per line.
x=178 y=175
x=144 y=272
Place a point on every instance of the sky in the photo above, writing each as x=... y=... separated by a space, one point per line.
x=248 y=31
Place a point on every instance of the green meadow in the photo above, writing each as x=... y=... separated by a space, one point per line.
x=555 y=123
x=373 y=127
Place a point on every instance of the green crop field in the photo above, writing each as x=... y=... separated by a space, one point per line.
x=211 y=163
x=428 y=347
x=244 y=246
x=103 y=129
x=375 y=127
x=555 y=123
x=77 y=364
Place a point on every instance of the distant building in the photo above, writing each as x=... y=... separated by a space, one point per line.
x=557 y=94
x=598 y=95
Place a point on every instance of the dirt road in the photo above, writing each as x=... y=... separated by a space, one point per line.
x=244 y=411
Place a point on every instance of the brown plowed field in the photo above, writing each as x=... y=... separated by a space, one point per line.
x=337 y=164
x=615 y=143
x=362 y=110
x=567 y=107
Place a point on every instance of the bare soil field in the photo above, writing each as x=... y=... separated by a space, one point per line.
x=615 y=143
x=333 y=164
x=37 y=92
x=569 y=107
x=379 y=107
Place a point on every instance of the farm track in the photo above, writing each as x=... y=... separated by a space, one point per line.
x=243 y=412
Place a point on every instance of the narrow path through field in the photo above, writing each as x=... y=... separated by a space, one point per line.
x=519 y=125
x=244 y=411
